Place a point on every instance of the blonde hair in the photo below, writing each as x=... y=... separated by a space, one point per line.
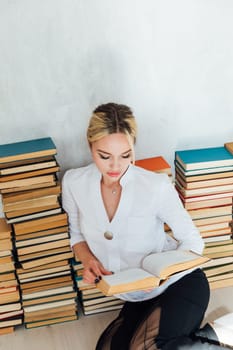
x=112 y=118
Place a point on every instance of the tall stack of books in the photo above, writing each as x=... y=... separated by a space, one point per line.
x=92 y=300
x=11 y=312
x=204 y=181
x=31 y=204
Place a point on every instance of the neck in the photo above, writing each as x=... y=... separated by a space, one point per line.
x=113 y=187
x=109 y=184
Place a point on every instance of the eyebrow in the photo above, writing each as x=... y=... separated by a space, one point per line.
x=101 y=151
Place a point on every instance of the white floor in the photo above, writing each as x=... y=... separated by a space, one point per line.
x=83 y=333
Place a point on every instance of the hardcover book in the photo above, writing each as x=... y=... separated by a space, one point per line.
x=27 y=149
x=43 y=210
x=204 y=183
x=46 y=223
x=185 y=176
x=30 y=195
x=29 y=174
x=202 y=171
x=43 y=233
x=50 y=322
x=53 y=312
x=11 y=322
x=211 y=212
x=156 y=164
x=204 y=158
x=47 y=259
x=50 y=299
x=12 y=170
x=205 y=190
x=27 y=182
x=31 y=203
x=38 y=214
x=156 y=268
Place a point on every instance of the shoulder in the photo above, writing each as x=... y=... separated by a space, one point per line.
x=150 y=176
x=72 y=175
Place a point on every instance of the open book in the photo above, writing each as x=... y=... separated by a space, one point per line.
x=156 y=268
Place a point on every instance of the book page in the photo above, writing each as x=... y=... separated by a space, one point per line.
x=225 y=321
x=156 y=263
x=126 y=276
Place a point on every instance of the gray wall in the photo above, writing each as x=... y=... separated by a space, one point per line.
x=170 y=60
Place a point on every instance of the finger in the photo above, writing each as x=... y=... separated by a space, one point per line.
x=98 y=269
x=106 y=272
x=88 y=276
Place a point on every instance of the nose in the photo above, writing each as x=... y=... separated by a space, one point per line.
x=115 y=164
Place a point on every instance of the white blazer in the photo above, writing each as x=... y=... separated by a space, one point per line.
x=148 y=200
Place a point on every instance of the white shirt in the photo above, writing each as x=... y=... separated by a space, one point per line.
x=148 y=200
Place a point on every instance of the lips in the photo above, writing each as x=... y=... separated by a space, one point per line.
x=114 y=174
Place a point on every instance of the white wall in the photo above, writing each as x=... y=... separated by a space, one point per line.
x=171 y=61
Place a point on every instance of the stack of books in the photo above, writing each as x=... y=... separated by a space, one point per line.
x=204 y=181
x=92 y=300
x=31 y=204
x=11 y=312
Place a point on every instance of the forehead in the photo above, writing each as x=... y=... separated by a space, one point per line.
x=113 y=143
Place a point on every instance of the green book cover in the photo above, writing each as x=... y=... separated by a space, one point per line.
x=18 y=150
x=204 y=158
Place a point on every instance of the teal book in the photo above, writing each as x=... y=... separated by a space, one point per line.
x=203 y=158
x=27 y=149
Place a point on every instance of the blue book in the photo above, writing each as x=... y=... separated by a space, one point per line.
x=204 y=158
x=27 y=149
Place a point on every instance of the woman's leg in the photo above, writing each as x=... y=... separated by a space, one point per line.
x=175 y=314
x=133 y=314
x=183 y=306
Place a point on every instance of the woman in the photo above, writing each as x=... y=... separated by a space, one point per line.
x=116 y=217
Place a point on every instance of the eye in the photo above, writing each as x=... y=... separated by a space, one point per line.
x=103 y=157
x=126 y=156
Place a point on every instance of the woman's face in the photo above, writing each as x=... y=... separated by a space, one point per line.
x=112 y=155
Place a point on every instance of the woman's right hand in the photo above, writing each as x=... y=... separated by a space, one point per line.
x=92 y=267
x=93 y=270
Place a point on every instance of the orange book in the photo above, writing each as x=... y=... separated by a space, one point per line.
x=156 y=164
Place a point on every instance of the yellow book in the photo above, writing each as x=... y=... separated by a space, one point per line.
x=156 y=268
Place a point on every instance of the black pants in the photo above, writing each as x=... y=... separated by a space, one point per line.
x=182 y=306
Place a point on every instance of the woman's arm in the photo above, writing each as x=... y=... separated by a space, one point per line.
x=69 y=204
x=178 y=219
x=92 y=266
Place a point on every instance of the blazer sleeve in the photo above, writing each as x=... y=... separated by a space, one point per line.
x=173 y=213
x=70 y=206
